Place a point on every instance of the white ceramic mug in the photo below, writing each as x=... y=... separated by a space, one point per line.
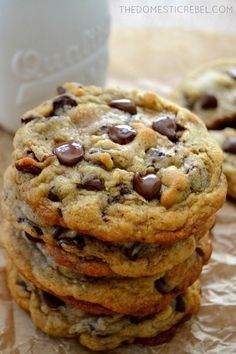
x=45 y=43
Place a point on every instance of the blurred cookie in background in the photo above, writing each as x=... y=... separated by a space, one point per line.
x=227 y=140
x=210 y=93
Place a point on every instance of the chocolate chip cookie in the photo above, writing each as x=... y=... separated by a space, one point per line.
x=119 y=166
x=210 y=92
x=227 y=140
x=133 y=296
x=56 y=318
x=89 y=255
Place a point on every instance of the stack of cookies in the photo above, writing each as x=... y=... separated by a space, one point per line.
x=210 y=92
x=109 y=201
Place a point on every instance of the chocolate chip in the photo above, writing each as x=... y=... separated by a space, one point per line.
x=77 y=241
x=199 y=251
x=121 y=134
x=166 y=126
x=92 y=327
x=148 y=186
x=124 y=189
x=93 y=184
x=62 y=104
x=180 y=304
x=28 y=119
x=35 y=227
x=57 y=231
x=53 y=197
x=229 y=145
x=133 y=252
x=161 y=286
x=125 y=105
x=232 y=73
x=21 y=219
x=31 y=238
x=21 y=283
x=69 y=154
x=60 y=90
x=51 y=300
x=28 y=165
x=135 y=320
x=59 y=212
x=208 y=101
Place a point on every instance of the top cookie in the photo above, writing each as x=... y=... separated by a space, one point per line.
x=120 y=166
x=210 y=92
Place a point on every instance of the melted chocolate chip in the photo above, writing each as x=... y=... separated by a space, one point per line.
x=133 y=252
x=92 y=327
x=124 y=189
x=57 y=231
x=51 y=300
x=69 y=154
x=93 y=184
x=32 y=239
x=166 y=126
x=21 y=283
x=53 y=197
x=229 y=145
x=60 y=90
x=21 y=219
x=180 y=304
x=27 y=165
x=135 y=320
x=199 y=251
x=121 y=134
x=35 y=227
x=59 y=212
x=161 y=286
x=125 y=105
x=62 y=104
x=148 y=186
x=28 y=119
x=232 y=73
x=208 y=101
x=77 y=241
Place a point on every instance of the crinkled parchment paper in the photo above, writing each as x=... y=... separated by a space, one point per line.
x=158 y=59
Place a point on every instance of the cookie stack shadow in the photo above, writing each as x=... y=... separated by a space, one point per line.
x=110 y=254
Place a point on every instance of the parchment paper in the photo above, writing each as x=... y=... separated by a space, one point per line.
x=157 y=60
